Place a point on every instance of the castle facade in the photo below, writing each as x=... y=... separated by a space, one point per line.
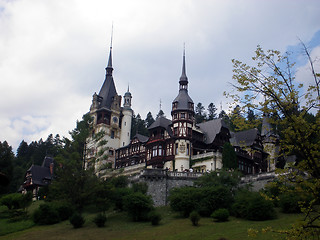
x=177 y=145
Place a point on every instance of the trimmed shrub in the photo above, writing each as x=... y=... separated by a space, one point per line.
x=184 y=200
x=194 y=218
x=64 y=209
x=46 y=214
x=213 y=198
x=154 y=217
x=118 y=197
x=100 y=220
x=221 y=215
x=77 y=220
x=138 y=206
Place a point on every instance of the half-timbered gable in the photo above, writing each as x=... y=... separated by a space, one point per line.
x=249 y=149
x=160 y=146
x=132 y=154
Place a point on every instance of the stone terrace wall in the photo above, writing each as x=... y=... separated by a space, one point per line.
x=160 y=182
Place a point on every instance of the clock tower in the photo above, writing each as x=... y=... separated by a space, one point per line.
x=110 y=119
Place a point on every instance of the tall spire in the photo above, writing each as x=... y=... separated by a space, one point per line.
x=184 y=79
x=109 y=68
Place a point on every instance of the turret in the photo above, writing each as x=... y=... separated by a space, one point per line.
x=182 y=122
x=126 y=120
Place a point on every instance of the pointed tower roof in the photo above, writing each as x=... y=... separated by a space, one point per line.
x=184 y=78
x=183 y=99
x=108 y=90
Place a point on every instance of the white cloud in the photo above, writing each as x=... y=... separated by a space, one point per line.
x=53 y=53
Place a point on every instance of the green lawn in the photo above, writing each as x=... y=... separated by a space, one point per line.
x=172 y=227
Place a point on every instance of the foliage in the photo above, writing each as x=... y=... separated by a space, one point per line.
x=16 y=200
x=184 y=200
x=289 y=203
x=118 y=197
x=228 y=179
x=77 y=220
x=221 y=215
x=204 y=200
x=100 y=219
x=6 y=164
x=119 y=182
x=212 y=111
x=154 y=217
x=160 y=114
x=64 y=209
x=200 y=114
x=138 y=125
x=229 y=157
x=149 y=119
x=194 y=218
x=72 y=182
x=46 y=214
x=138 y=206
x=212 y=198
x=270 y=87
x=102 y=195
x=252 y=206
x=140 y=187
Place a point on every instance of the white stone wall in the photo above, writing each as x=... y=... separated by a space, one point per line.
x=211 y=161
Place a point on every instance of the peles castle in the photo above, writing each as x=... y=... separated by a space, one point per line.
x=176 y=145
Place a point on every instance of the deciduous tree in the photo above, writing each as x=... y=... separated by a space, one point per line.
x=270 y=87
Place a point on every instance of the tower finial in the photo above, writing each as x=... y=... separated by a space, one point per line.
x=109 y=66
x=184 y=79
x=111 y=36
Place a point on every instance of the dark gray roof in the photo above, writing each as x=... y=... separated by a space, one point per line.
x=211 y=129
x=160 y=122
x=141 y=138
x=183 y=99
x=244 y=138
x=108 y=90
x=39 y=174
x=183 y=78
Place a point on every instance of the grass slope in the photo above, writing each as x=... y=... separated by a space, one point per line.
x=171 y=227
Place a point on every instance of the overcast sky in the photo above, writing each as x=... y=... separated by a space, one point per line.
x=53 y=54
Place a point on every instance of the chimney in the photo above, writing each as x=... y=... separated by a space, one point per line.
x=51 y=168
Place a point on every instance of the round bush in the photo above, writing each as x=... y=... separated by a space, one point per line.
x=195 y=218
x=155 y=218
x=259 y=209
x=77 y=220
x=138 y=206
x=46 y=214
x=221 y=215
x=64 y=209
x=100 y=220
